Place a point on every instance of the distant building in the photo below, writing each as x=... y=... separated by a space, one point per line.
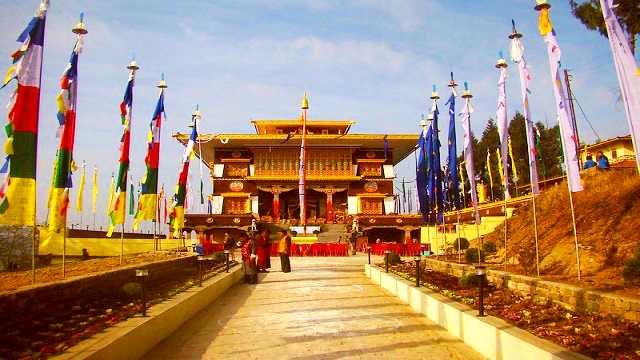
x=619 y=151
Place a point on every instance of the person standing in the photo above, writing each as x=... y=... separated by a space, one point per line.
x=589 y=163
x=603 y=161
x=284 y=247
x=263 y=251
x=249 y=249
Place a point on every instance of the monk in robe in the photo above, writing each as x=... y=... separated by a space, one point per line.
x=284 y=246
x=263 y=250
x=248 y=251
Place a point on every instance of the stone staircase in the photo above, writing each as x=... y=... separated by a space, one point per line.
x=332 y=233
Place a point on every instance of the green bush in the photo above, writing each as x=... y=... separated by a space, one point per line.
x=489 y=247
x=471 y=255
x=469 y=280
x=464 y=244
x=394 y=259
x=631 y=271
x=219 y=256
x=133 y=289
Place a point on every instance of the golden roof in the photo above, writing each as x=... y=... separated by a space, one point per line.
x=269 y=126
x=400 y=145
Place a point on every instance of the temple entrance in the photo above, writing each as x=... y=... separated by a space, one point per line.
x=282 y=205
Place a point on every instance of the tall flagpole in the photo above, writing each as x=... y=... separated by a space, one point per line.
x=162 y=85
x=501 y=115
x=197 y=125
x=302 y=183
x=566 y=129
x=517 y=56
x=452 y=163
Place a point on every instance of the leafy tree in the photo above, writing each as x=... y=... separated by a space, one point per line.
x=464 y=244
x=590 y=14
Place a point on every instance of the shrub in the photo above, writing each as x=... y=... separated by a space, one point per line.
x=469 y=280
x=631 y=271
x=471 y=255
x=133 y=289
x=394 y=259
x=464 y=244
x=489 y=247
x=220 y=256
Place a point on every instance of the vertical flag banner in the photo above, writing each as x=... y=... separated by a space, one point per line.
x=517 y=56
x=503 y=122
x=18 y=190
x=514 y=170
x=148 y=202
x=94 y=191
x=627 y=71
x=112 y=193
x=436 y=168
x=569 y=141
x=177 y=212
x=302 y=182
x=117 y=211
x=452 y=159
x=468 y=149
x=489 y=168
x=80 y=196
x=64 y=163
x=500 y=167
x=422 y=168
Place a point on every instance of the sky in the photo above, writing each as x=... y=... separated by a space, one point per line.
x=372 y=61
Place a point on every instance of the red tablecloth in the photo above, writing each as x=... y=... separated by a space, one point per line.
x=401 y=249
x=316 y=249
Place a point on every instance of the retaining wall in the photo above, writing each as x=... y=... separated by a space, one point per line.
x=490 y=336
x=572 y=297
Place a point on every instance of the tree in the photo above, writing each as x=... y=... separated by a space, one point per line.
x=627 y=12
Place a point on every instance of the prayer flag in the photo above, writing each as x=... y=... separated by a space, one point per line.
x=503 y=126
x=64 y=163
x=517 y=56
x=627 y=71
x=94 y=192
x=567 y=133
x=500 y=167
x=489 y=167
x=452 y=159
x=148 y=202
x=80 y=198
x=436 y=168
x=514 y=171
x=422 y=168
x=18 y=190
x=117 y=210
x=468 y=151
x=177 y=212
x=302 y=181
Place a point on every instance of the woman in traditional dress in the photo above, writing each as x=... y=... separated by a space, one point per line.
x=249 y=259
x=263 y=251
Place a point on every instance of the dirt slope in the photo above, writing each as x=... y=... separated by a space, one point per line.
x=608 y=225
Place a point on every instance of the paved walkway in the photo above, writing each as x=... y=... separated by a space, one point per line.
x=325 y=309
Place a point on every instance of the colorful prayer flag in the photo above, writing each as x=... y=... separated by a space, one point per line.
x=112 y=193
x=18 y=190
x=118 y=207
x=489 y=168
x=64 y=163
x=567 y=133
x=177 y=212
x=514 y=171
x=148 y=202
x=627 y=71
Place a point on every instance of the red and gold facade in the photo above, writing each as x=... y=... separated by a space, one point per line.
x=256 y=175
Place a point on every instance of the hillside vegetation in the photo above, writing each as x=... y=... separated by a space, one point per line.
x=608 y=224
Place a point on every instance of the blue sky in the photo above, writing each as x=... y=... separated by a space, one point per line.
x=371 y=61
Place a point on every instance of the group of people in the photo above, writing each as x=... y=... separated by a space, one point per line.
x=256 y=253
x=602 y=162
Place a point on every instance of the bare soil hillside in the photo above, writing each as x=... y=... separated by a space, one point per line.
x=608 y=226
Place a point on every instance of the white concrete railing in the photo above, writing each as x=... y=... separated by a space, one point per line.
x=491 y=337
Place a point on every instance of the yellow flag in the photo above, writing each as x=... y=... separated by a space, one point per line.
x=111 y=194
x=544 y=23
x=500 y=169
x=94 y=191
x=513 y=163
x=489 y=167
x=80 y=198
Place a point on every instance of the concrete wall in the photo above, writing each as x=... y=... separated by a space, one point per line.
x=571 y=297
x=439 y=241
x=490 y=336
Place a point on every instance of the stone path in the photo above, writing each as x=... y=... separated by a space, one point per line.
x=325 y=309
